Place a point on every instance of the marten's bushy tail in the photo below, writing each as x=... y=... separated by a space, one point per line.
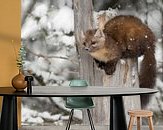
x=147 y=73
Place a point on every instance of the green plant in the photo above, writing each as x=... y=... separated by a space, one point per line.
x=21 y=57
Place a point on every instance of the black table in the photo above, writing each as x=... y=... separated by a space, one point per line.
x=117 y=114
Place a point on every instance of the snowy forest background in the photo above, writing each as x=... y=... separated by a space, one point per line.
x=48 y=37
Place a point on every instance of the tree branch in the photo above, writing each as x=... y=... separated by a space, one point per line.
x=30 y=7
x=48 y=57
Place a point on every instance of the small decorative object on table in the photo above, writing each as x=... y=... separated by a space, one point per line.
x=18 y=81
x=29 y=80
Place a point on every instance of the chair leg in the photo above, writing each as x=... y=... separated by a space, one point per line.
x=70 y=119
x=131 y=122
x=138 y=123
x=150 y=122
x=90 y=119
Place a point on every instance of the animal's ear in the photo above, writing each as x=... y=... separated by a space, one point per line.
x=99 y=33
x=82 y=35
x=102 y=33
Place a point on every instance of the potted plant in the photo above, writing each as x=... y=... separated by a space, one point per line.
x=18 y=81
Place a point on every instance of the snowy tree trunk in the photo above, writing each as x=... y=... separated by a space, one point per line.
x=162 y=38
x=88 y=70
x=125 y=75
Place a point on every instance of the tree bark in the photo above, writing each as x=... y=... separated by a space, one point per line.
x=162 y=37
x=125 y=75
x=84 y=20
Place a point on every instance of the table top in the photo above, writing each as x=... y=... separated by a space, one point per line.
x=66 y=91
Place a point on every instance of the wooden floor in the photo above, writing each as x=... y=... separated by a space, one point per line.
x=79 y=127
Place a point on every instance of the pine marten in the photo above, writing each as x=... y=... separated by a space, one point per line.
x=123 y=37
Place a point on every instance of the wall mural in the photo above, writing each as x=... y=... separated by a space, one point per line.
x=48 y=37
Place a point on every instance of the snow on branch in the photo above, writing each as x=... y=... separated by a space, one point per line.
x=47 y=57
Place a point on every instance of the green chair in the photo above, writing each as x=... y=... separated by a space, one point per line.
x=79 y=102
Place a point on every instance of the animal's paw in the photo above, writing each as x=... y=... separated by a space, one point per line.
x=109 y=70
x=100 y=64
x=110 y=67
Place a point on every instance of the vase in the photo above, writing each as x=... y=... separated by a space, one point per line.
x=18 y=82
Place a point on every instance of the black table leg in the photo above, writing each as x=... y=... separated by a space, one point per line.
x=9 y=113
x=117 y=114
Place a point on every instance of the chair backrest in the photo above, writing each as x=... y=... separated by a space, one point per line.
x=78 y=83
x=79 y=102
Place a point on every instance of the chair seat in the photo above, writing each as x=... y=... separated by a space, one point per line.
x=140 y=113
x=79 y=102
